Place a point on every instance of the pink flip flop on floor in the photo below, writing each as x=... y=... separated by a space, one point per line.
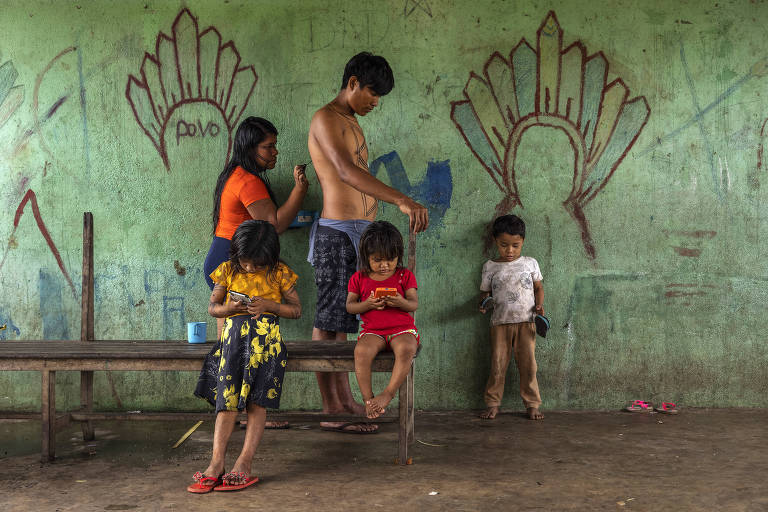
x=639 y=406
x=236 y=482
x=667 y=408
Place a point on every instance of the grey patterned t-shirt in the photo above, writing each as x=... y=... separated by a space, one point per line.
x=511 y=284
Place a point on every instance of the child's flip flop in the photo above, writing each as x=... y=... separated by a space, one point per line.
x=236 y=482
x=667 y=408
x=204 y=484
x=639 y=406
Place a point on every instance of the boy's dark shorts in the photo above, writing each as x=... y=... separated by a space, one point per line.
x=335 y=262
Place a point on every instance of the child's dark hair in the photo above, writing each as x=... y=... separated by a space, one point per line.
x=509 y=224
x=370 y=70
x=257 y=242
x=381 y=238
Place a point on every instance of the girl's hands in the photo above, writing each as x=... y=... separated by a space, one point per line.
x=234 y=308
x=375 y=302
x=300 y=177
x=260 y=305
x=395 y=301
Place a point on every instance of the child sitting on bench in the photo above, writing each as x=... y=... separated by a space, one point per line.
x=384 y=294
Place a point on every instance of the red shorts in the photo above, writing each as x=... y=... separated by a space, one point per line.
x=389 y=337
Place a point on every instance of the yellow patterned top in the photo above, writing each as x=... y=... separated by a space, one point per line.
x=257 y=283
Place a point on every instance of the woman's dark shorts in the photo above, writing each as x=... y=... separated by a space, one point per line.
x=217 y=254
x=335 y=262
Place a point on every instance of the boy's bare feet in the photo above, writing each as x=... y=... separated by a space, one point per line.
x=534 y=413
x=490 y=413
x=378 y=404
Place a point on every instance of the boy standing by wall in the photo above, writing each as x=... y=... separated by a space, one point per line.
x=514 y=284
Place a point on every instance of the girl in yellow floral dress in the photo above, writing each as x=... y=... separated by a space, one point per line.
x=245 y=368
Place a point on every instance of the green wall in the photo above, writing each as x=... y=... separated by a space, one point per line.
x=643 y=197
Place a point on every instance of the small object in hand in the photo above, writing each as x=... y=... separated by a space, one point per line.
x=384 y=292
x=487 y=302
x=239 y=297
x=542 y=325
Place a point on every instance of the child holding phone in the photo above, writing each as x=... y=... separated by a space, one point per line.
x=245 y=368
x=384 y=294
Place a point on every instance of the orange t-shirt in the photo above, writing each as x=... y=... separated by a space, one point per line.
x=241 y=190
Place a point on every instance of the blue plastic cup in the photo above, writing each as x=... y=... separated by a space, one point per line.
x=196 y=332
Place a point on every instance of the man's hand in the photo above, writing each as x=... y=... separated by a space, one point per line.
x=417 y=214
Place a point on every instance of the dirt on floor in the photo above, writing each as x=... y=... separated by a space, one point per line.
x=708 y=460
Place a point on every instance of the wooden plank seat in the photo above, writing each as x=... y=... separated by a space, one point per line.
x=50 y=356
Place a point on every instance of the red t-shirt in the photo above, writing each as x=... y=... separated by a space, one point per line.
x=387 y=320
x=241 y=190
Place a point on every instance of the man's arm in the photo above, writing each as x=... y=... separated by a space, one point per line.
x=329 y=137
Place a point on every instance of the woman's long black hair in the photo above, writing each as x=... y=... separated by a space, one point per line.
x=251 y=132
x=255 y=241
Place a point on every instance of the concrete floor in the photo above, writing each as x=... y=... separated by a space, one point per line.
x=698 y=460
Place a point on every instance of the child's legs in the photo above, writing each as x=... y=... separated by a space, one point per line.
x=525 y=356
x=404 y=347
x=222 y=430
x=257 y=416
x=366 y=349
x=501 y=352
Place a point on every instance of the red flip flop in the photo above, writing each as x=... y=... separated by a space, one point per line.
x=667 y=408
x=204 y=484
x=639 y=406
x=243 y=482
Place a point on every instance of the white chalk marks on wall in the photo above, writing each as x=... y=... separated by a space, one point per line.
x=190 y=68
x=551 y=87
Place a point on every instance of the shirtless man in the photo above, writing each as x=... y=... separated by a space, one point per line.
x=350 y=194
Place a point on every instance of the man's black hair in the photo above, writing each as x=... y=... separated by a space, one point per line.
x=370 y=70
x=509 y=224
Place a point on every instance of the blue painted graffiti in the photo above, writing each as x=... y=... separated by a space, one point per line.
x=434 y=191
x=173 y=318
x=51 y=307
x=8 y=328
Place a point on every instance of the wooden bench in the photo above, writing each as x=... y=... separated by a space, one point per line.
x=48 y=357
x=89 y=355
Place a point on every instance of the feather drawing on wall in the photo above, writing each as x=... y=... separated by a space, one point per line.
x=549 y=86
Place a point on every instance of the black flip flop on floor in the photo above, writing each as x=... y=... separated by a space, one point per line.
x=343 y=428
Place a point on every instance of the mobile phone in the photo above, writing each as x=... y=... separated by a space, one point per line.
x=384 y=292
x=239 y=297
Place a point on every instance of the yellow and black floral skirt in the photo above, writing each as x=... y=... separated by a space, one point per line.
x=246 y=365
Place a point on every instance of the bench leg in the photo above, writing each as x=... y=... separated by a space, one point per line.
x=48 y=410
x=411 y=415
x=86 y=403
x=405 y=436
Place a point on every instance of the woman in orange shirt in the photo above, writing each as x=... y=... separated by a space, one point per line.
x=243 y=191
